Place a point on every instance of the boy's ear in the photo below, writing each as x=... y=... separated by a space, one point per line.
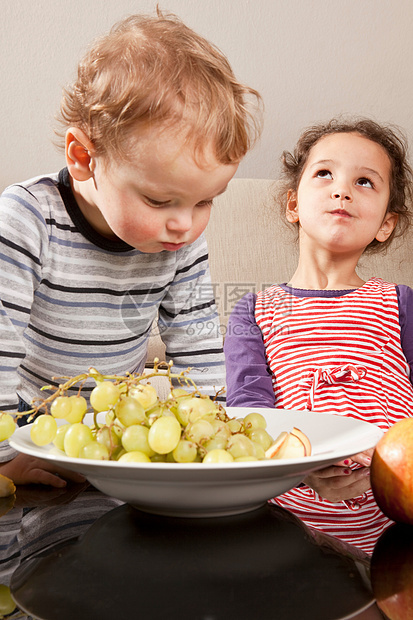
x=292 y=206
x=79 y=154
x=387 y=227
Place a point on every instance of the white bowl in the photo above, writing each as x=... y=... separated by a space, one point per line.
x=210 y=490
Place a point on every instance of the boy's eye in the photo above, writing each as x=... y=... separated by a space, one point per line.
x=365 y=182
x=156 y=203
x=165 y=203
x=324 y=174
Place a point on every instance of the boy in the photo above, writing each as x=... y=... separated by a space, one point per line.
x=155 y=126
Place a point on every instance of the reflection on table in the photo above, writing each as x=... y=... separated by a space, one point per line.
x=80 y=554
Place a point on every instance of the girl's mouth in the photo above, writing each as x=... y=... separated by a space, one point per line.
x=341 y=213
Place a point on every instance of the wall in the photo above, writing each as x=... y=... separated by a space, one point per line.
x=310 y=59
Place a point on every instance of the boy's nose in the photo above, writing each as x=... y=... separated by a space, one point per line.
x=181 y=221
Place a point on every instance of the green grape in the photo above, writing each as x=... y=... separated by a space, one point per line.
x=77 y=436
x=94 y=450
x=108 y=437
x=178 y=393
x=78 y=409
x=182 y=412
x=7 y=426
x=7 y=605
x=218 y=456
x=118 y=428
x=129 y=411
x=185 y=428
x=190 y=409
x=164 y=434
x=43 y=430
x=259 y=435
x=158 y=458
x=145 y=394
x=110 y=417
x=216 y=443
x=240 y=445
x=259 y=451
x=255 y=420
x=104 y=395
x=221 y=429
x=235 y=425
x=123 y=388
x=134 y=457
x=200 y=431
x=155 y=414
x=60 y=436
x=61 y=407
x=135 y=438
x=185 y=452
x=203 y=408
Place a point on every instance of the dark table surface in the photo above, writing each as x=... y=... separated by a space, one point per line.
x=78 y=554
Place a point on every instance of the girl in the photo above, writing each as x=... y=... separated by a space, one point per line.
x=327 y=340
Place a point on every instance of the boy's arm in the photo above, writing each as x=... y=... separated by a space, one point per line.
x=22 y=235
x=249 y=382
x=23 y=243
x=189 y=323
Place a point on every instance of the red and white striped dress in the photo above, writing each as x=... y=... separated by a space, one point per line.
x=341 y=355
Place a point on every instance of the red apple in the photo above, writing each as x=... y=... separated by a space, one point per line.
x=392 y=572
x=392 y=472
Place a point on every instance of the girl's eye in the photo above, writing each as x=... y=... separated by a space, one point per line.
x=205 y=203
x=324 y=174
x=365 y=182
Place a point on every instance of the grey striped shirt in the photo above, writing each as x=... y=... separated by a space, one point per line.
x=71 y=299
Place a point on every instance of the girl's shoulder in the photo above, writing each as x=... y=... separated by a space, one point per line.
x=405 y=294
x=245 y=306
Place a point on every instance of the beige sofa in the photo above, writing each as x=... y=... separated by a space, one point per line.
x=251 y=246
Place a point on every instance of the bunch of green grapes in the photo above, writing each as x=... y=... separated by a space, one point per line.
x=131 y=424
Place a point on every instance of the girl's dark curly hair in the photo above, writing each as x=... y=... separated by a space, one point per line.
x=393 y=142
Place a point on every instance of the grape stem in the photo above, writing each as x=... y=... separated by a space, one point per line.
x=130 y=379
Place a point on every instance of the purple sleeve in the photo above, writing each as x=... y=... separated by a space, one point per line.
x=405 y=297
x=248 y=377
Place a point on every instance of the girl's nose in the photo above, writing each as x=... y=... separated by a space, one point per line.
x=342 y=195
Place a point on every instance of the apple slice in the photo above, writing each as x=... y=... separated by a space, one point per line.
x=292 y=448
x=293 y=445
x=304 y=439
x=276 y=446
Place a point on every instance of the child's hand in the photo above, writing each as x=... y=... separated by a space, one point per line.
x=362 y=458
x=24 y=469
x=337 y=483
